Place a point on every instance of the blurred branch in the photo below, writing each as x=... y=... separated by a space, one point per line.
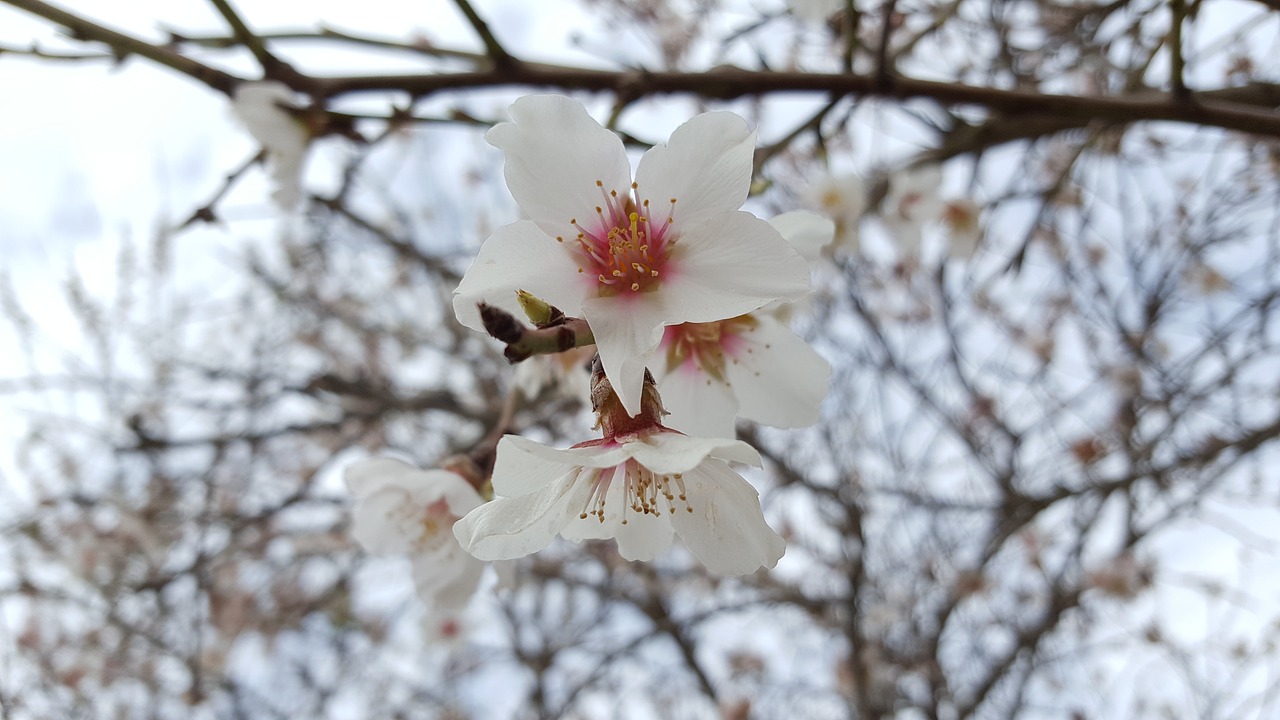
x=272 y=67
x=1227 y=108
x=502 y=60
x=124 y=45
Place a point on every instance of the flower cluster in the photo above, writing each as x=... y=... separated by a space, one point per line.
x=683 y=294
x=915 y=201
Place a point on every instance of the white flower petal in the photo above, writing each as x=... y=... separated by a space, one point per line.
x=447 y=583
x=706 y=166
x=726 y=530
x=671 y=452
x=519 y=256
x=639 y=536
x=728 y=266
x=524 y=466
x=627 y=328
x=374 y=475
x=807 y=232
x=521 y=452
x=778 y=378
x=699 y=404
x=643 y=537
x=513 y=527
x=554 y=154
x=257 y=106
x=366 y=477
x=372 y=523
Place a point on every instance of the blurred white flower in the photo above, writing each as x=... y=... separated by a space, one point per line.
x=401 y=510
x=637 y=488
x=629 y=257
x=815 y=11
x=843 y=198
x=808 y=233
x=565 y=372
x=913 y=201
x=257 y=105
x=961 y=218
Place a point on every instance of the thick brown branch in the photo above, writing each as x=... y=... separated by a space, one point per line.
x=1226 y=108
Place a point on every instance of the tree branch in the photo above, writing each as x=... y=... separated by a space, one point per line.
x=125 y=45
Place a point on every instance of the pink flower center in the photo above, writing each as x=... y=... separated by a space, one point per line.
x=624 y=248
x=708 y=346
x=434 y=524
x=644 y=491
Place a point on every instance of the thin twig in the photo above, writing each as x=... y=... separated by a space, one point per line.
x=1178 y=9
x=271 y=66
x=502 y=60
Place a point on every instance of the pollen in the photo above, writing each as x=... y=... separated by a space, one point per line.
x=644 y=492
x=708 y=346
x=625 y=248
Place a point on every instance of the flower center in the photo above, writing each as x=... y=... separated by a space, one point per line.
x=706 y=345
x=429 y=526
x=644 y=491
x=624 y=247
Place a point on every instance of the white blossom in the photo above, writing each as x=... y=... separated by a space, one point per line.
x=564 y=372
x=815 y=11
x=257 y=105
x=630 y=257
x=752 y=365
x=638 y=489
x=401 y=510
x=961 y=218
x=843 y=198
x=913 y=201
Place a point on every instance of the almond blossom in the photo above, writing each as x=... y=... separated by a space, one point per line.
x=961 y=218
x=637 y=490
x=401 y=510
x=843 y=198
x=815 y=11
x=629 y=256
x=565 y=373
x=752 y=365
x=257 y=105
x=913 y=201
x=639 y=484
